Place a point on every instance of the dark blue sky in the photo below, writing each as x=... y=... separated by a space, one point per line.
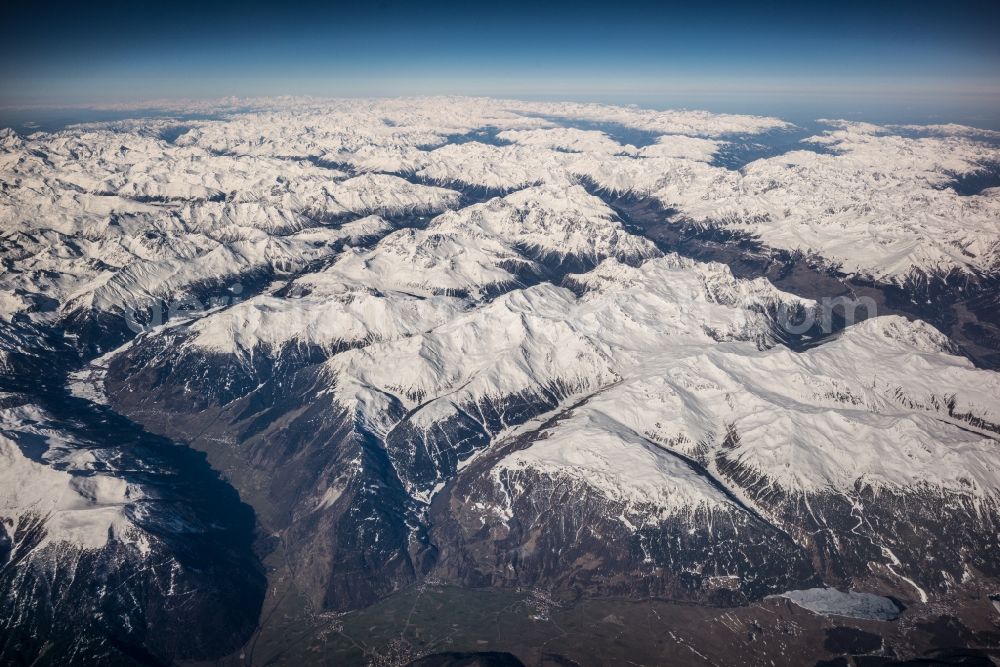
x=888 y=53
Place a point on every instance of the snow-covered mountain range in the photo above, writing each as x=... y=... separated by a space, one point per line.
x=492 y=343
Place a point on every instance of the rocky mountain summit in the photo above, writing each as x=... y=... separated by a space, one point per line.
x=494 y=346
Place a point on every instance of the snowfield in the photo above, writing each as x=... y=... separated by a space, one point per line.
x=107 y=218
x=64 y=491
x=427 y=290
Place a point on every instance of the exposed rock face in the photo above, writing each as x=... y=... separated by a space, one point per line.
x=560 y=535
x=542 y=360
x=128 y=540
x=645 y=484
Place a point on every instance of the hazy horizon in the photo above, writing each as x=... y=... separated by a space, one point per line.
x=799 y=109
x=908 y=61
